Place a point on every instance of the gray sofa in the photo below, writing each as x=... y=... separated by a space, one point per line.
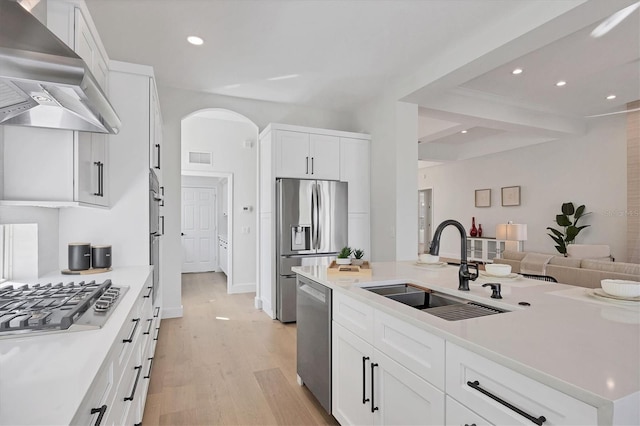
x=579 y=272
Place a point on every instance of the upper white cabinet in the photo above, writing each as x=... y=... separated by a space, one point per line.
x=307 y=155
x=355 y=169
x=155 y=129
x=86 y=46
x=92 y=168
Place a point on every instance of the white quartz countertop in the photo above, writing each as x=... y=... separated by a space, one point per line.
x=581 y=345
x=43 y=378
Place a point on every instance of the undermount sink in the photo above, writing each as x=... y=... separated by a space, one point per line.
x=445 y=306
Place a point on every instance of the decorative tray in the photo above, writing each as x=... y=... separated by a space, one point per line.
x=85 y=271
x=363 y=270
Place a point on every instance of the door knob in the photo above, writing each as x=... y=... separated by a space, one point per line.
x=182 y=233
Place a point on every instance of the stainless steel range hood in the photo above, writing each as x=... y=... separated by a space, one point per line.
x=43 y=83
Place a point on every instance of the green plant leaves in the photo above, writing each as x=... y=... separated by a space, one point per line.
x=571 y=230
x=568 y=209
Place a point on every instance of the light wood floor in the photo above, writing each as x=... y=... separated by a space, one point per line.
x=242 y=371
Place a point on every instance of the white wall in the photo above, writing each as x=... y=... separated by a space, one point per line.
x=176 y=104
x=589 y=169
x=47 y=221
x=225 y=141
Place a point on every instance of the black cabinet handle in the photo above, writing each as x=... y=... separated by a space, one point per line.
x=306 y=170
x=101 y=179
x=157 y=313
x=150 y=325
x=157 y=166
x=133 y=332
x=135 y=384
x=157 y=333
x=312 y=165
x=162 y=193
x=364 y=373
x=537 y=420
x=373 y=404
x=100 y=410
x=150 y=365
x=472 y=424
x=162 y=227
x=148 y=295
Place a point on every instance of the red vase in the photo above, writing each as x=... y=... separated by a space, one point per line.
x=480 y=230
x=474 y=230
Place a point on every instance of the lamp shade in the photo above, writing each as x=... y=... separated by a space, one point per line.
x=511 y=231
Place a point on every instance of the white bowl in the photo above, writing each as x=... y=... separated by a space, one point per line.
x=498 y=269
x=621 y=288
x=429 y=258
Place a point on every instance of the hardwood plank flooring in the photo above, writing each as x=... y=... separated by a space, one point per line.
x=226 y=363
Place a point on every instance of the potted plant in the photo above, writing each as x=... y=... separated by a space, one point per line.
x=570 y=225
x=343 y=256
x=358 y=255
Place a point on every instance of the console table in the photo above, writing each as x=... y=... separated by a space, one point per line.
x=485 y=249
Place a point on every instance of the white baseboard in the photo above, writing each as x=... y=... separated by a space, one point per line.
x=172 y=312
x=257 y=303
x=242 y=288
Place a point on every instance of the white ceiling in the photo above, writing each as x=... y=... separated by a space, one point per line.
x=349 y=52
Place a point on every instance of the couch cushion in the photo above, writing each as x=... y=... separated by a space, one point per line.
x=565 y=261
x=513 y=255
x=617 y=267
x=588 y=251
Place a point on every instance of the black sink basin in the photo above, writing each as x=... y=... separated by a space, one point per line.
x=445 y=306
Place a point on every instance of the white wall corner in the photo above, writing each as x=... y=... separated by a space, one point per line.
x=175 y=312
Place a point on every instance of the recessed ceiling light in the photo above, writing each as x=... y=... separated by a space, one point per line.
x=561 y=83
x=196 y=41
x=610 y=97
x=464 y=131
x=517 y=71
x=284 y=77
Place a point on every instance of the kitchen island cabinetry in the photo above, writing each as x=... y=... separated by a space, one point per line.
x=500 y=369
x=370 y=386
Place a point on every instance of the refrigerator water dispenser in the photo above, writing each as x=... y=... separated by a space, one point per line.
x=300 y=237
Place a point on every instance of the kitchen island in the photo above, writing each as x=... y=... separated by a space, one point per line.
x=578 y=352
x=59 y=377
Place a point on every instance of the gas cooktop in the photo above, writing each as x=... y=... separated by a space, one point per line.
x=26 y=309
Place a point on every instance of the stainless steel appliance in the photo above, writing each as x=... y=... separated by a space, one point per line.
x=311 y=228
x=155 y=229
x=314 y=339
x=71 y=306
x=43 y=82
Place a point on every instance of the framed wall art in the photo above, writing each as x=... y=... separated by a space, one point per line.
x=483 y=198
x=510 y=196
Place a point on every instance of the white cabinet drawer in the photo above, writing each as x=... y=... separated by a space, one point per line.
x=487 y=387
x=355 y=316
x=419 y=351
x=459 y=415
x=96 y=402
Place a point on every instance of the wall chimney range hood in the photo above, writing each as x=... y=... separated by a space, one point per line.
x=43 y=83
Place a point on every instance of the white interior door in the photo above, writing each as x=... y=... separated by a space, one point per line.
x=198 y=229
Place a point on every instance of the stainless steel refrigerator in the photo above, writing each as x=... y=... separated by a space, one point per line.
x=311 y=228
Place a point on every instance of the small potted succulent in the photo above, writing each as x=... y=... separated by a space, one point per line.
x=343 y=256
x=358 y=255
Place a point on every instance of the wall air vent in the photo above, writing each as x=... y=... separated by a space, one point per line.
x=199 y=157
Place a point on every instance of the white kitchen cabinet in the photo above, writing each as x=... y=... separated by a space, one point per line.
x=155 y=129
x=458 y=415
x=371 y=388
x=55 y=167
x=86 y=46
x=355 y=166
x=307 y=155
x=503 y=396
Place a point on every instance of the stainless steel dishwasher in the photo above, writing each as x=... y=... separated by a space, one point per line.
x=314 y=339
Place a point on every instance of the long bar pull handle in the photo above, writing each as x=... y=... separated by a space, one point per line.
x=306 y=170
x=157 y=312
x=135 y=384
x=316 y=237
x=364 y=373
x=157 y=166
x=150 y=365
x=537 y=420
x=162 y=227
x=150 y=321
x=162 y=193
x=312 y=165
x=100 y=410
x=148 y=295
x=373 y=404
x=97 y=164
x=101 y=179
x=133 y=332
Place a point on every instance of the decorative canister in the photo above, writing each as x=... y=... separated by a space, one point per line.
x=101 y=257
x=79 y=256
